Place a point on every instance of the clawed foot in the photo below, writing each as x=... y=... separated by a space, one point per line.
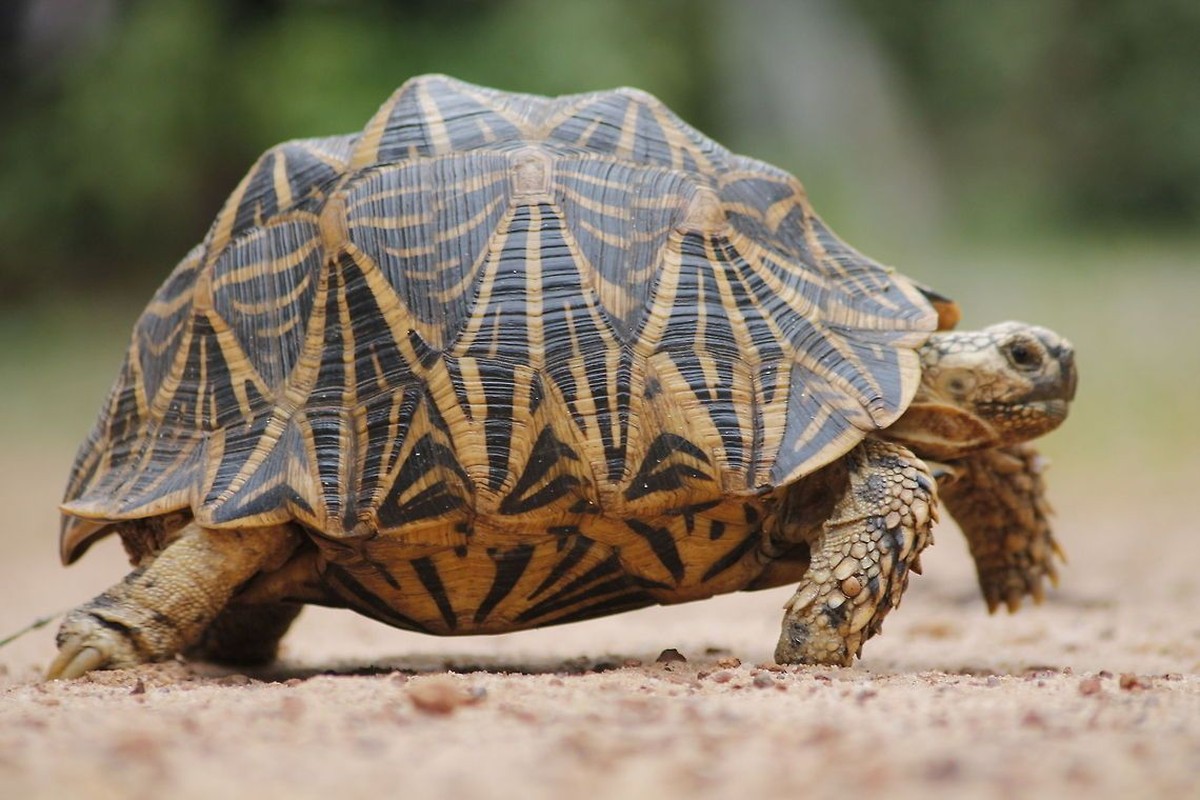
x=830 y=617
x=86 y=642
x=1029 y=565
x=862 y=558
x=999 y=499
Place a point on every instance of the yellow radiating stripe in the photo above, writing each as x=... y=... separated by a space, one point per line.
x=466 y=339
x=388 y=221
x=679 y=142
x=477 y=219
x=663 y=300
x=223 y=225
x=760 y=412
x=625 y=145
x=534 y=297
x=214 y=449
x=166 y=503
x=468 y=438
x=283 y=187
x=389 y=446
x=591 y=204
x=296 y=390
x=478 y=179
x=587 y=132
x=255 y=269
x=325 y=157
x=611 y=239
x=307 y=482
x=612 y=359
x=711 y=379
x=477 y=397
x=239 y=366
x=411 y=251
x=159 y=347
x=273 y=303
x=778 y=211
x=367 y=151
x=439 y=134
x=590 y=282
x=799 y=302
x=139 y=381
x=489 y=101
x=160 y=404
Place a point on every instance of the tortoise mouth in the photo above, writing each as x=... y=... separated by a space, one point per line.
x=1055 y=409
x=1027 y=420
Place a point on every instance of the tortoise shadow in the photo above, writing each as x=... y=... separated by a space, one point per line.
x=284 y=670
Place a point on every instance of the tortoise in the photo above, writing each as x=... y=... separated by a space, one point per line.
x=501 y=361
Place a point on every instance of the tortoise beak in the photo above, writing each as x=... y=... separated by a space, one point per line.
x=1056 y=384
x=1064 y=353
x=1067 y=364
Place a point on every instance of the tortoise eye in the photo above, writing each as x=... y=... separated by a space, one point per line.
x=1024 y=355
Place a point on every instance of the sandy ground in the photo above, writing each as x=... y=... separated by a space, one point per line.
x=1096 y=691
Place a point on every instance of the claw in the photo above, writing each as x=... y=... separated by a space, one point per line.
x=1038 y=592
x=1058 y=551
x=1013 y=601
x=74 y=661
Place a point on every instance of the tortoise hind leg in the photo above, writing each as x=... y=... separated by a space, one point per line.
x=861 y=556
x=165 y=606
x=246 y=635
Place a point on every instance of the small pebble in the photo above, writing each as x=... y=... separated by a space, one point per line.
x=670 y=656
x=1090 y=686
x=439 y=696
x=1132 y=683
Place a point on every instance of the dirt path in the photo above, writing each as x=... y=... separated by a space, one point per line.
x=1096 y=692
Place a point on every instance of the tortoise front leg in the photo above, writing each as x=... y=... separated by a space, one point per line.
x=861 y=557
x=998 y=498
x=163 y=607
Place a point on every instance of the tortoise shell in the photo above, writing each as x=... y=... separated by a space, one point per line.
x=495 y=341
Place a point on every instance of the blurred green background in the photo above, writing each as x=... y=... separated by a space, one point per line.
x=1035 y=159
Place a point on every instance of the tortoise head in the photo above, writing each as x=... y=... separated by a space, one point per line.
x=1005 y=384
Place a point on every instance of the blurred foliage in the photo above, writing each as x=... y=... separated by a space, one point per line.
x=1085 y=112
x=125 y=126
x=123 y=143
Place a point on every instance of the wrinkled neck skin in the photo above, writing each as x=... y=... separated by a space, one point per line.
x=1005 y=384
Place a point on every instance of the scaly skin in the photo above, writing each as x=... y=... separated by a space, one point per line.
x=165 y=606
x=862 y=556
x=998 y=498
